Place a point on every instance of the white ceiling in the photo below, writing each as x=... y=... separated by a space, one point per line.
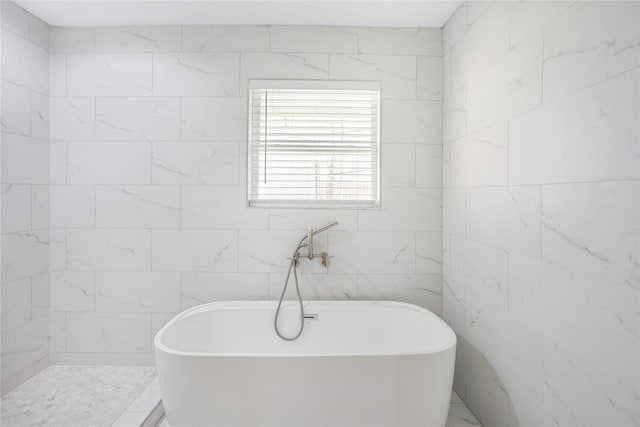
x=399 y=13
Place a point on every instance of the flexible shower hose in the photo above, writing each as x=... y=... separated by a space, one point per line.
x=293 y=266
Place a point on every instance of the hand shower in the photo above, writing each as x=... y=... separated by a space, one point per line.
x=294 y=266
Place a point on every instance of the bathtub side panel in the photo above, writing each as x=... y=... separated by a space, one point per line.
x=398 y=391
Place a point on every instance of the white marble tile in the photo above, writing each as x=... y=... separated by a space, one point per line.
x=58 y=250
x=13 y=381
x=201 y=288
x=66 y=40
x=428 y=166
x=137 y=206
x=481 y=158
x=602 y=327
x=446 y=166
x=147 y=400
x=58 y=70
x=16 y=208
x=24 y=63
x=460 y=416
x=16 y=303
x=454 y=211
x=408 y=121
x=397 y=74
x=225 y=38
x=481 y=269
x=16 y=109
x=109 y=163
x=40 y=116
x=58 y=156
x=398 y=165
x=72 y=291
x=511 y=86
x=206 y=163
x=220 y=208
x=124 y=359
x=313 y=39
x=515 y=350
x=15 y=18
x=394 y=252
x=429 y=75
x=134 y=119
x=214 y=119
x=131 y=419
x=40 y=206
x=138 y=39
x=102 y=74
x=158 y=320
x=196 y=74
x=108 y=333
x=526 y=18
x=137 y=292
x=455 y=115
x=109 y=249
x=72 y=359
x=455 y=28
x=24 y=254
x=40 y=295
x=269 y=251
x=72 y=119
x=577 y=394
x=282 y=65
x=424 y=290
x=429 y=252
x=483 y=44
x=73 y=206
x=24 y=160
x=590 y=136
x=24 y=345
x=593 y=228
x=58 y=330
x=400 y=41
x=302 y=219
x=195 y=250
x=454 y=305
x=405 y=209
x=476 y=9
x=588 y=43
x=315 y=286
x=505 y=217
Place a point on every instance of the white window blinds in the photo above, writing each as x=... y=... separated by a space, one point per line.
x=313 y=143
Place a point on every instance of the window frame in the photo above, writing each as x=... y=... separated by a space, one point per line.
x=306 y=84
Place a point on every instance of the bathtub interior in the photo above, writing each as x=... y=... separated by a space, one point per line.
x=342 y=328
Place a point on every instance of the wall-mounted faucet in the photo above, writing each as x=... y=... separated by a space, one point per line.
x=293 y=267
x=309 y=240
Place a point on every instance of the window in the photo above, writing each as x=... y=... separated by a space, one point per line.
x=313 y=144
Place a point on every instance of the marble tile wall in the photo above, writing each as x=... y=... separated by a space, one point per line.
x=148 y=178
x=24 y=118
x=541 y=210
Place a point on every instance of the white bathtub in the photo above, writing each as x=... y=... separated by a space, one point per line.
x=361 y=363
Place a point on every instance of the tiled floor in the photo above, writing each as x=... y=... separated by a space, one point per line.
x=75 y=396
x=459 y=415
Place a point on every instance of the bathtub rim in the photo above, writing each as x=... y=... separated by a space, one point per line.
x=159 y=346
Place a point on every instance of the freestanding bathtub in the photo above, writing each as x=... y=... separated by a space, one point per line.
x=359 y=364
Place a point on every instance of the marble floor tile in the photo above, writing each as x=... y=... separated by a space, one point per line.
x=75 y=396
